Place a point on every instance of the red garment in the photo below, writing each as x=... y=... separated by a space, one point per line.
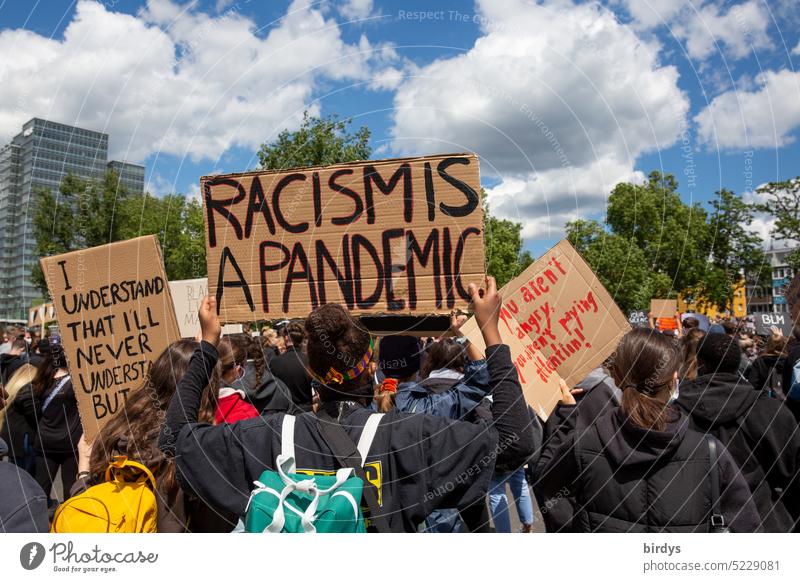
x=232 y=407
x=667 y=323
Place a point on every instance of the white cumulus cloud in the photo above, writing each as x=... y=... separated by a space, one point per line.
x=706 y=28
x=558 y=100
x=174 y=79
x=764 y=117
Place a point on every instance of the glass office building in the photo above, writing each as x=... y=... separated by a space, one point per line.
x=40 y=156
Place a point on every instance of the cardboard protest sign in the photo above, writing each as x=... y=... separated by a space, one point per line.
x=41 y=315
x=764 y=321
x=663 y=307
x=187 y=295
x=559 y=321
x=638 y=318
x=401 y=236
x=115 y=316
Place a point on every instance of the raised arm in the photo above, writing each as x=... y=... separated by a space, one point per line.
x=509 y=410
x=185 y=405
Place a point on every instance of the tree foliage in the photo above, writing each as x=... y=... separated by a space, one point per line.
x=505 y=258
x=656 y=245
x=86 y=213
x=318 y=142
x=782 y=201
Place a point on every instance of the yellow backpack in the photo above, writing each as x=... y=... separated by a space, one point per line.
x=116 y=506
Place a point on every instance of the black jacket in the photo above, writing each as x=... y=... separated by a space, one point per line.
x=23 y=504
x=761 y=436
x=600 y=395
x=766 y=373
x=267 y=395
x=18 y=433
x=418 y=462
x=793 y=355
x=58 y=426
x=10 y=364
x=291 y=367
x=628 y=479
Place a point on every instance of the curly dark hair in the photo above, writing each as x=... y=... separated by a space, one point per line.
x=334 y=340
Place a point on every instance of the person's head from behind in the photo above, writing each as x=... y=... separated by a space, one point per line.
x=446 y=354
x=644 y=366
x=691 y=323
x=139 y=422
x=294 y=334
x=730 y=327
x=54 y=361
x=399 y=359
x=399 y=356
x=689 y=343
x=776 y=345
x=718 y=353
x=339 y=353
x=18 y=347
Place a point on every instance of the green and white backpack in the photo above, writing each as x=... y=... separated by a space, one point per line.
x=285 y=501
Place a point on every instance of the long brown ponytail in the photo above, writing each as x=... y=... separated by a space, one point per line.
x=644 y=366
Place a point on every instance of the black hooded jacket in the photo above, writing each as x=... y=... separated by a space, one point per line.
x=628 y=479
x=760 y=434
x=419 y=462
x=766 y=373
x=600 y=395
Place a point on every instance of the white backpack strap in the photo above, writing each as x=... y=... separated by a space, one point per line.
x=368 y=435
x=287 y=441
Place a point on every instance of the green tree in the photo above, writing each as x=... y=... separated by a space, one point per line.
x=318 y=142
x=783 y=203
x=619 y=263
x=86 y=213
x=672 y=235
x=734 y=251
x=54 y=223
x=179 y=226
x=502 y=241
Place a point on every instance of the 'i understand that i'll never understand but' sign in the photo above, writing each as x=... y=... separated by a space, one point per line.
x=401 y=237
x=115 y=316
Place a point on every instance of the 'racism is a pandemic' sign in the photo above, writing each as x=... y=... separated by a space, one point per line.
x=400 y=236
x=115 y=316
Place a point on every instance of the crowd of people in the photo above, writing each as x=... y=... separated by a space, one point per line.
x=680 y=430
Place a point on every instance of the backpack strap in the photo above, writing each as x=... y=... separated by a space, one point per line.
x=368 y=435
x=717 y=524
x=287 y=441
x=54 y=392
x=348 y=455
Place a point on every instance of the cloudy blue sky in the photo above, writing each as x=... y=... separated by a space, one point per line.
x=561 y=99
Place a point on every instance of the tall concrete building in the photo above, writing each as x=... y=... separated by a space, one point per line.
x=40 y=156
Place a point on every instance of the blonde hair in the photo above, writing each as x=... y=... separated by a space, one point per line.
x=21 y=377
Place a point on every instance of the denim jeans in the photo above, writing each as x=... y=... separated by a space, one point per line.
x=498 y=502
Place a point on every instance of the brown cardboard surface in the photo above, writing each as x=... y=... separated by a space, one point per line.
x=663 y=307
x=277 y=233
x=110 y=340
x=187 y=294
x=559 y=321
